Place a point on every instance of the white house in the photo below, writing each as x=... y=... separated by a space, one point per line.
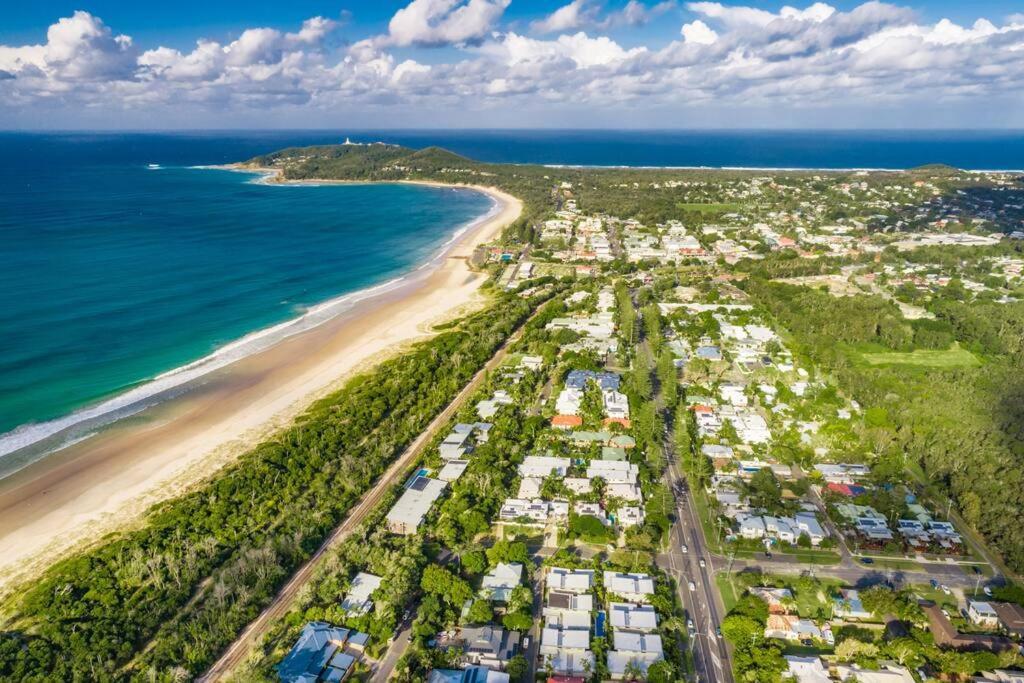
x=632 y=617
x=357 y=601
x=572 y=580
x=633 y=587
x=498 y=583
x=543 y=466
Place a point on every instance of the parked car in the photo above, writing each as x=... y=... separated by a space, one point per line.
x=867 y=560
x=988 y=591
x=690 y=627
x=685 y=549
x=934 y=583
x=718 y=631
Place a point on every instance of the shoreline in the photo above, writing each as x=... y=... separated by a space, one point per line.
x=105 y=482
x=31 y=442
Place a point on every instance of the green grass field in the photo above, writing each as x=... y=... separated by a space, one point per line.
x=729 y=596
x=954 y=357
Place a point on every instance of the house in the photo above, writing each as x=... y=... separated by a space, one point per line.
x=778 y=599
x=631 y=648
x=572 y=580
x=578 y=379
x=632 y=587
x=1011 y=617
x=752 y=527
x=566 y=421
x=632 y=617
x=490 y=646
x=565 y=609
x=531 y=362
x=630 y=492
x=616 y=405
x=497 y=584
x=578 y=485
x=849 y=606
x=591 y=510
x=318 y=654
x=806 y=669
x=946 y=635
x=534 y=511
x=613 y=471
x=888 y=672
x=410 y=509
x=452 y=470
x=568 y=649
x=807 y=523
x=471 y=674
x=543 y=466
x=357 y=601
x=629 y=516
x=568 y=401
x=790 y=627
x=982 y=614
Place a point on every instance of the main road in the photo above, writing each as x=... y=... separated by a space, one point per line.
x=236 y=653
x=695 y=568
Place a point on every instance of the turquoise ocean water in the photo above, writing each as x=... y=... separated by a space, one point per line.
x=115 y=273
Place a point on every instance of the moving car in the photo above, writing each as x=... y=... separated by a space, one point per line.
x=702 y=563
x=693 y=586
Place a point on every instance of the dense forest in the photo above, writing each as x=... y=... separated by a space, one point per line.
x=962 y=425
x=162 y=601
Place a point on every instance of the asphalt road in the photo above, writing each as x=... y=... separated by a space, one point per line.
x=710 y=654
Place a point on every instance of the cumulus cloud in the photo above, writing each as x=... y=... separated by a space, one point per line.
x=442 y=22
x=722 y=55
x=79 y=47
x=698 y=33
x=576 y=14
x=587 y=14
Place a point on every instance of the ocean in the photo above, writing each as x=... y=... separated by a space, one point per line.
x=119 y=278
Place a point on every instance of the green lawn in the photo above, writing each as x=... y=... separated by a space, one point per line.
x=730 y=596
x=953 y=357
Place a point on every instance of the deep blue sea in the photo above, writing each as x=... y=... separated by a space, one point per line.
x=114 y=273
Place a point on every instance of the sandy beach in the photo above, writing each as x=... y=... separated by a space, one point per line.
x=105 y=483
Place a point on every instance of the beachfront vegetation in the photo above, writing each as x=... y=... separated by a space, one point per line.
x=165 y=599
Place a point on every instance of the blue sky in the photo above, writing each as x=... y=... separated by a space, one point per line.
x=494 y=63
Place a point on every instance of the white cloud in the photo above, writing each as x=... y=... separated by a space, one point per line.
x=79 y=47
x=442 y=22
x=576 y=14
x=586 y=13
x=580 y=49
x=698 y=33
x=725 y=55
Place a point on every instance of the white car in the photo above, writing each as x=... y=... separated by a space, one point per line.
x=702 y=563
x=693 y=586
x=685 y=549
